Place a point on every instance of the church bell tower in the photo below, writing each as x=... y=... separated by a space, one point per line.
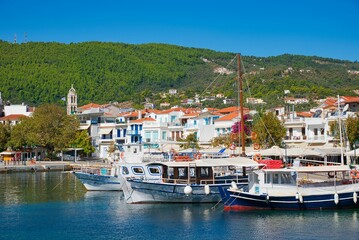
x=71 y=101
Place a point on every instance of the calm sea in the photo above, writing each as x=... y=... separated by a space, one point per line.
x=55 y=205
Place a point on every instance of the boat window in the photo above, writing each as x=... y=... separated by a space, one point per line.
x=285 y=178
x=267 y=178
x=182 y=172
x=125 y=171
x=137 y=170
x=154 y=170
x=170 y=172
x=205 y=172
x=192 y=172
x=275 y=178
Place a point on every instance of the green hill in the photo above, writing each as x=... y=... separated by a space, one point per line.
x=37 y=72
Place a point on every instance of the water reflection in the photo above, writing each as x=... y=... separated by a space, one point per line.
x=19 y=188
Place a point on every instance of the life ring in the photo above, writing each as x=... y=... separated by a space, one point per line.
x=257 y=157
x=253 y=136
x=354 y=174
x=256 y=146
x=232 y=147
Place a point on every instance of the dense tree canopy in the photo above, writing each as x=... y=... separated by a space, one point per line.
x=352 y=129
x=38 y=73
x=83 y=140
x=4 y=136
x=49 y=127
x=269 y=129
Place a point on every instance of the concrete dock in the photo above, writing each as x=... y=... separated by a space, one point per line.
x=45 y=166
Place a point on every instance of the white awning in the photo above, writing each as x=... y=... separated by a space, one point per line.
x=7 y=153
x=102 y=131
x=214 y=162
x=84 y=127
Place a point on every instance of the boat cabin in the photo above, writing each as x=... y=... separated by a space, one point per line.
x=144 y=171
x=206 y=171
x=264 y=180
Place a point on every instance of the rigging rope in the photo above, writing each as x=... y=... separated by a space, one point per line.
x=250 y=95
x=219 y=74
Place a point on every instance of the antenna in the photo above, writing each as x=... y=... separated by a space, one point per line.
x=15 y=38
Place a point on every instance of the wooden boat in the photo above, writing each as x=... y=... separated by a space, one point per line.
x=196 y=181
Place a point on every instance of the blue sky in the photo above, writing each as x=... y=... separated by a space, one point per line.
x=324 y=28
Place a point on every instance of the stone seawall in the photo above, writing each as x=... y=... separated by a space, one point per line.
x=38 y=167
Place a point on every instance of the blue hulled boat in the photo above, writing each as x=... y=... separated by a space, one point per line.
x=297 y=188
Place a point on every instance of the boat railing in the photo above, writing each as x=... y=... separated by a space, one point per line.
x=177 y=181
x=224 y=181
x=100 y=170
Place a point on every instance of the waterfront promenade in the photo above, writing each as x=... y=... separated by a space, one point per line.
x=45 y=166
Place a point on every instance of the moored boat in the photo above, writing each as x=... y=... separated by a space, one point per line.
x=297 y=188
x=112 y=179
x=196 y=181
x=99 y=178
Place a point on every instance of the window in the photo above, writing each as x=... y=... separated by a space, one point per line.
x=275 y=178
x=267 y=178
x=322 y=131
x=164 y=135
x=205 y=172
x=285 y=178
x=182 y=172
x=315 y=131
x=192 y=172
x=154 y=170
x=137 y=170
x=125 y=171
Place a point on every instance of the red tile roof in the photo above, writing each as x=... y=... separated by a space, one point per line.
x=304 y=114
x=12 y=117
x=229 y=117
x=232 y=109
x=349 y=99
x=141 y=120
x=90 y=105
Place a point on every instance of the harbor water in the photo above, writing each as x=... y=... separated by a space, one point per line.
x=55 y=205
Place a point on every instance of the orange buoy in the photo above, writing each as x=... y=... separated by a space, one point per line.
x=257 y=157
x=253 y=136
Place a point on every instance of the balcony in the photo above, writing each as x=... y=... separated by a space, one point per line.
x=133 y=132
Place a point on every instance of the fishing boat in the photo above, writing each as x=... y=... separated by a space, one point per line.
x=195 y=181
x=99 y=178
x=297 y=188
x=112 y=179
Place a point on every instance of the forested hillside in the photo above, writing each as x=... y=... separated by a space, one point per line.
x=37 y=72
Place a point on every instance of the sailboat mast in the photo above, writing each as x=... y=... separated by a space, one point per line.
x=241 y=104
x=340 y=133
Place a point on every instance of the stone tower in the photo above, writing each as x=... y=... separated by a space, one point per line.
x=71 y=101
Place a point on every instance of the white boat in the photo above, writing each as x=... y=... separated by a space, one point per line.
x=99 y=178
x=298 y=188
x=195 y=181
x=112 y=179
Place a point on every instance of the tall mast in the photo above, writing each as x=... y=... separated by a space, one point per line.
x=340 y=133
x=241 y=104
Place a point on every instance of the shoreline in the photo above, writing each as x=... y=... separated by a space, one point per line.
x=45 y=166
